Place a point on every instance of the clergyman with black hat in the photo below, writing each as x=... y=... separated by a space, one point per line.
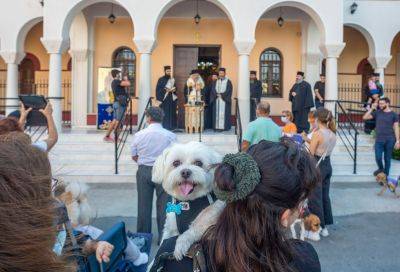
x=221 y=98
x=255 y=94
x=302 y=101
x=166 y=95
x=319 y=90
x=208 y=112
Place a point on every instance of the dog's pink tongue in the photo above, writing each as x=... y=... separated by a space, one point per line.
x=186 y=188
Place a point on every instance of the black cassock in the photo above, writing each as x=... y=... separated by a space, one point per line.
x=167 y=103
x=301 y=105
x=208 y=111
x=255 y=97
x=227 y=98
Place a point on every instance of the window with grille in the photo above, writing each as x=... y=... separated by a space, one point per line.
x=271 y=72
x=125 y=59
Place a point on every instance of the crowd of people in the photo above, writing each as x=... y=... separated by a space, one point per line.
x=250 y=234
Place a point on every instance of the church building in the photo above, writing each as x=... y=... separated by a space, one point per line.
x=65 y=48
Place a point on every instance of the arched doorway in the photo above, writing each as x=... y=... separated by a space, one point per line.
x=364 y=69
x=27 y=68
x=125 y=59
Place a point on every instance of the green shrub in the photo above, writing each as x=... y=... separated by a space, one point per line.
x=396 y=154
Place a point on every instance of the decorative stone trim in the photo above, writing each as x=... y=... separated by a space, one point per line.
x=12 y=57
x=379 y=61
x=144 y=46
x=55 y=46
x=244 y=47
x=332 y=50
x=79 y=55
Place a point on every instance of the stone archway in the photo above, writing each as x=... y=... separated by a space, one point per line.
x=27 y=68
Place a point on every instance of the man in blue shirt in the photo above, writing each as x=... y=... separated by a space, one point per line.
x=387 y=133
x=263 y=128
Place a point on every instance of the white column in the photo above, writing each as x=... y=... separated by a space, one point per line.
x=55 y=49
x=79 y=87
x=145 y=47
x=379 y=63
x=331 y=53
x=243 y=93
x=12 y=59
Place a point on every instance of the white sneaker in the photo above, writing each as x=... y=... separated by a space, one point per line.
x=325 y=232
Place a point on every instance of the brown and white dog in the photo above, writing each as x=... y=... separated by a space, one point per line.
x=186 y=172
x=387 y=183
x=310 y=228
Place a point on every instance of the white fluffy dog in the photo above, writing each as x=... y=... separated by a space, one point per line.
x=186 y=173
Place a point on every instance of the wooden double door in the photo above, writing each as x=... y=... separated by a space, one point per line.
x=186 y=58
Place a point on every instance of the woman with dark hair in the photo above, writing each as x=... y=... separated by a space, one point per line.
x=27 y=213
x=322 y=143
x=265 y=191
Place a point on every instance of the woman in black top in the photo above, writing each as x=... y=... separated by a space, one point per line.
x=265 y=191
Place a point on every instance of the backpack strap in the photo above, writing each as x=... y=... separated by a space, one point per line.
x=199 y=261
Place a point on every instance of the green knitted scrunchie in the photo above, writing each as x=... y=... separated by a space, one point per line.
x=246 y=176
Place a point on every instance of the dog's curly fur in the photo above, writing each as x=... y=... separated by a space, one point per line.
x=188 y=164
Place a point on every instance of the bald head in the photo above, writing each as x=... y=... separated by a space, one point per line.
x=263 y=108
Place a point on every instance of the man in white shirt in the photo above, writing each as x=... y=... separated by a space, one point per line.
x=146 y=146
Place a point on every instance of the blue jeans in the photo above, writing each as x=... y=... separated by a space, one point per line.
x=384 y=148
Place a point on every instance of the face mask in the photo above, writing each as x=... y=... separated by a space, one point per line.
x=284 y=119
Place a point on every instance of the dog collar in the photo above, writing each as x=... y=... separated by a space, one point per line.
x=177 y=208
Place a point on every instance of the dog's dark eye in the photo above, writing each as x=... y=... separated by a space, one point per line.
x=176 y=163
x=198 y=163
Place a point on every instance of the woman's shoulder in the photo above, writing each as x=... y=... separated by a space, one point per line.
x=305 y=257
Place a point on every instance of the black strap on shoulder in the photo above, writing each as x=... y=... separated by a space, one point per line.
x=199 y=261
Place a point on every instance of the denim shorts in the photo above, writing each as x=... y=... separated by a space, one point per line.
x=118 y=111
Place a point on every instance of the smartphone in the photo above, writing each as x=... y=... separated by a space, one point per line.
x=36 y=102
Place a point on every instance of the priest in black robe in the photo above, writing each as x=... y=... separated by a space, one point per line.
x=208 y=112
x=166 y=95
x=302 y=101
x=221 y=98
x=255 y=94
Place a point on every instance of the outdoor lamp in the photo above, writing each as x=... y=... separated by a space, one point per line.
x=197 y=16
x=280 y=21
x=41 y=2
x=197 y=19
x=353 y=8
x=112 y=17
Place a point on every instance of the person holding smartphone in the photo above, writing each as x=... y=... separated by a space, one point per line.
x=11 y=124
x=121 y=97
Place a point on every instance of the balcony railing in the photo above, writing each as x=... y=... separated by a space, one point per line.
x=41 y=87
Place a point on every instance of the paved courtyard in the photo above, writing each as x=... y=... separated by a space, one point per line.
x=365 y=236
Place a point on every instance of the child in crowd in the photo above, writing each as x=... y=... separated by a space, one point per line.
x=313 y=128
x=289 y=129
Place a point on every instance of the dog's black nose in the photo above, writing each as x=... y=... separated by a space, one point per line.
x=185 y=173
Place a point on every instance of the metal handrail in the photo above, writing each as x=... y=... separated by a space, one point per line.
x=121 y=135
x=238 y=127
x=149 y=104
x=346 y=133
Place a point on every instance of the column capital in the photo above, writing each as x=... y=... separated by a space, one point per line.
x=244 y=47
x=12 y=56
x=79 y=55
x=144 y=46
x=332 y=50
x=55 y=46
x=312 y=58
x=379 y=61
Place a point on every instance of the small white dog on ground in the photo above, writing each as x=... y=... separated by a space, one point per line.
x=186 y=172
x=74 y=196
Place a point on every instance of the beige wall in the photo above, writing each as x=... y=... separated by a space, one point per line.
x=355 y=51
x=107 y=38
x=286 y=39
